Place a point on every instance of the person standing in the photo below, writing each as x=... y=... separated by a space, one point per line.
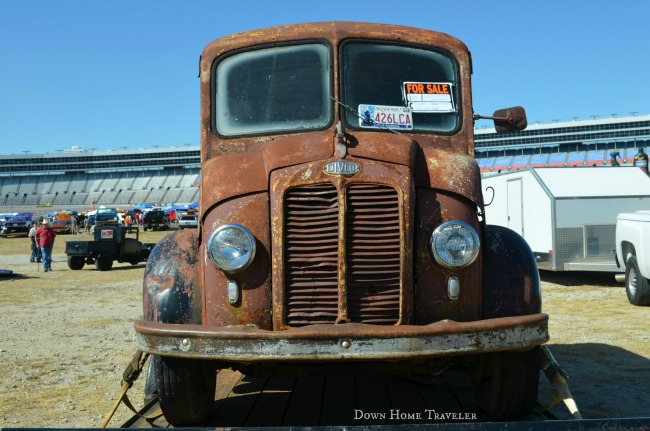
x=641 y=160
x=36 y=249
x=73 y=225
x=45 y=239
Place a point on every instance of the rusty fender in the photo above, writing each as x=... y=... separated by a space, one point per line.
x=350 y=341
x=511 y=279
x=170 y=291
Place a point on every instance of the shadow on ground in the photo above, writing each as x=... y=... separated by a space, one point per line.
x=579 y=278
x=606 y=381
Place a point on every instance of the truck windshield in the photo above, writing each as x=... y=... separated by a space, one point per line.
x=106 y=215
x=399 y=87
x=273 y=90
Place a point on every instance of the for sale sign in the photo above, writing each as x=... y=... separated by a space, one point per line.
x=429 y=97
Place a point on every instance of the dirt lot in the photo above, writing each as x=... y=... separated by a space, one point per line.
x=66 y=337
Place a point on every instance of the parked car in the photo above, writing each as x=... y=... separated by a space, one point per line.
x=189 y=220
x=60 y=226
x=155 y=219
x=21 y=222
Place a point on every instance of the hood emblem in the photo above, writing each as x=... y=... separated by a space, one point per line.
x=341 y=168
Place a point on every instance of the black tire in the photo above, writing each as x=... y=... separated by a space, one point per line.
x=76 y=263
x=186 y=389
x=636 y=285
x=507 y=383
x=150 y=391
x=103 y=263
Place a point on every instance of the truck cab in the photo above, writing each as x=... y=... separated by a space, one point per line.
x=341 y=224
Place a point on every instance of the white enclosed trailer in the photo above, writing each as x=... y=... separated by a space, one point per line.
x=567 y=215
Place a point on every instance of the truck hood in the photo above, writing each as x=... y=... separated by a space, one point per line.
x=437 y=168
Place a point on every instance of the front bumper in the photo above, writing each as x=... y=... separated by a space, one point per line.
x=351 y=341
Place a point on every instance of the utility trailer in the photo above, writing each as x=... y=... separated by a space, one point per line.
x=111 y=244
x=365 y=401
x=354 y=399
x=337 y=400
x=567 y=215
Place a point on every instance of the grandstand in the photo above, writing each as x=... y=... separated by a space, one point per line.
x=79 y=179
x=563 y=144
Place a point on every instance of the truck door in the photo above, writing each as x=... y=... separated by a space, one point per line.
x=515 y=206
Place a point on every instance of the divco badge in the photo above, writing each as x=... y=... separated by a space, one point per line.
x=341 y=168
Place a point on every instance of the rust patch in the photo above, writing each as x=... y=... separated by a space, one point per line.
x=170 y=283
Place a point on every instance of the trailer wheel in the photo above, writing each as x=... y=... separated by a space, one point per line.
x=636 y=285
x=103 y=263
x=507 y=383
x=76 y=263
x=186 y=389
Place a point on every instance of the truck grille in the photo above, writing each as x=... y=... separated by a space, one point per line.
x=370 y=287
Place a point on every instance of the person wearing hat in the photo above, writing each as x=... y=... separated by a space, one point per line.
x=45 y=239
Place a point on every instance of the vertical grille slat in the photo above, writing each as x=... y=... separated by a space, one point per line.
x=373 y=244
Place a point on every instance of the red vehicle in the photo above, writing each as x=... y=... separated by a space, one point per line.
x=341 y=224
x=61 y=223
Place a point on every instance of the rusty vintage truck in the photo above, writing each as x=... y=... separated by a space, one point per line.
x=342 y=224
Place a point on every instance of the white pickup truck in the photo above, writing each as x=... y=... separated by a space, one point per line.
x=633 y=254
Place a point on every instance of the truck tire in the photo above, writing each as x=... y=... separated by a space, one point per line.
x=186 y=389
x=508 y=383
x=150 y=391
x=103 y=263
x=636 y=285
x=76 y=263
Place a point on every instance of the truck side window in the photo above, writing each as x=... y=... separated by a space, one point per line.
x=273 y=90
x=375 y=74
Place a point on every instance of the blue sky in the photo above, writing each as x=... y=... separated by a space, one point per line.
x=123 y=74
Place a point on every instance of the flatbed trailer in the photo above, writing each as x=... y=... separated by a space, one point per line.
x=338 y=400
x=365 y=402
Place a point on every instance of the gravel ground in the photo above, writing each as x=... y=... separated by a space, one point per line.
x=67 y=336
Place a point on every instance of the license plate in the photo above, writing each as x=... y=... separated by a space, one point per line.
x=385 y=117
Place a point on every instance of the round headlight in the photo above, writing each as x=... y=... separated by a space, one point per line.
x=231 y=248
x=455 y=244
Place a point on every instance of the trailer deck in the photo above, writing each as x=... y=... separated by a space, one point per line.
x=340 y=400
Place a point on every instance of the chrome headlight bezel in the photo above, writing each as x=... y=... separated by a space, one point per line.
x=217 y=258
x=444 y=233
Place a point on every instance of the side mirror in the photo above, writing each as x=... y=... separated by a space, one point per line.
x=507 y=120
x=510 y=120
